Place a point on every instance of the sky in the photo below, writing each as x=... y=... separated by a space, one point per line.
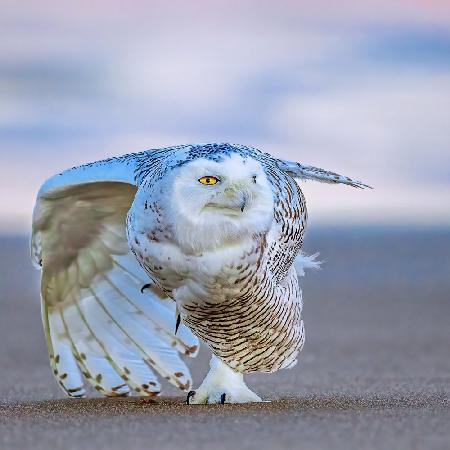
x=358 y=87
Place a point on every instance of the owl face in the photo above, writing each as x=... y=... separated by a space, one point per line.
x=222 y=200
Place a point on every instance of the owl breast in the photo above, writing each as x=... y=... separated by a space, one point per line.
x=230 y=300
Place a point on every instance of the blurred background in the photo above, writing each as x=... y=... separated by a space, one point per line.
x=358 y=87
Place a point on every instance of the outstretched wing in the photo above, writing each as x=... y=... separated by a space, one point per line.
x=304 y=172
x=98 y=324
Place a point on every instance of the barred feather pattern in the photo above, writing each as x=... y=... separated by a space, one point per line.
x=261 y=330
x=259 y=326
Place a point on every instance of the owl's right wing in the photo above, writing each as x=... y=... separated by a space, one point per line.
x=304 y=172
x=98 y=324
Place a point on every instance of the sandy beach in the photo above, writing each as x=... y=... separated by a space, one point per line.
x=374 y=374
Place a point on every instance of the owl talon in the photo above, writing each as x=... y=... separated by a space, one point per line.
x=178 y=324
x=189 y=396
x=145 y=287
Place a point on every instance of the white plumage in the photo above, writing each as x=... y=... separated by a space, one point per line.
x=210 y=231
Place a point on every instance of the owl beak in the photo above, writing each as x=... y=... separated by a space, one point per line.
x=235 y=199
x=241 y=198
x=244 y=200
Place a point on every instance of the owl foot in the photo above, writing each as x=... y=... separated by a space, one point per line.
x=215 y=397
x=145 y=287
x=222 y=385
x=191 y=394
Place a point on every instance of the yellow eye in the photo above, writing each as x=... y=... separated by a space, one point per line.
x=209 y=180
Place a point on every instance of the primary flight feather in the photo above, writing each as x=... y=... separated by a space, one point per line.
x=143 y=254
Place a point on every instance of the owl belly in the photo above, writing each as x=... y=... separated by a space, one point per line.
x=229 y=300
x=260 y=329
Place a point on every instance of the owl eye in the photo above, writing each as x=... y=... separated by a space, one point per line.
x=209 y=180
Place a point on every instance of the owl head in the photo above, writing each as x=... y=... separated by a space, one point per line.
x=213 y=202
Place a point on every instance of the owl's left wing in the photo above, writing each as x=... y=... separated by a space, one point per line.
x=97 y=321
x=305 y=172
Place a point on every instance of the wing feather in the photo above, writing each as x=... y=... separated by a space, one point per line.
x=98 y=324
x=305 y=172
x=62 y=358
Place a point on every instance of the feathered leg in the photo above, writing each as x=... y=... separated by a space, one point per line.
x=222 y=385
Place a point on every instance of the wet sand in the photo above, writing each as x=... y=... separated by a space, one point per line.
x=374 y=374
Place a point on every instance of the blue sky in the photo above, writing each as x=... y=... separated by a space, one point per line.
x=362 y=89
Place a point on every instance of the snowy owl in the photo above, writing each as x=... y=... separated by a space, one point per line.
x=143 y=255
